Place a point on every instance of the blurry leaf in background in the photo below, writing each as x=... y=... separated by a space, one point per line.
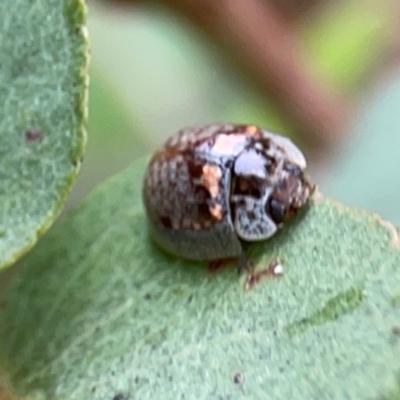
x=367 y=172
x=116 y=136
x=43 y=75
x=347 y=41
x=98 y=311
x=171 y=76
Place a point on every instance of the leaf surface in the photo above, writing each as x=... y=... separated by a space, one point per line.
x=98 y=311
x=43 y=84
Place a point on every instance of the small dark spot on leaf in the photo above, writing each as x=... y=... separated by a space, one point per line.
x=93 y=388
x=281 y=369
x=190 y=298
x=136 y=379
x=216 y=266
x=97 y=329
x=120 y=396
x=147 y=296
x=396 y=330
x=170 y=378
x=238 y=379
x=33 y=135
x=112 y=373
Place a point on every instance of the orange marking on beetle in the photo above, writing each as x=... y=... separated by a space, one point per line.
x=216 y=211
x=252 y=130
x=210 y=179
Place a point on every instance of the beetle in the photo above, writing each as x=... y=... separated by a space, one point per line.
x=212 y=188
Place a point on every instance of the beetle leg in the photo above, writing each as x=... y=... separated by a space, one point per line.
x=244 y=264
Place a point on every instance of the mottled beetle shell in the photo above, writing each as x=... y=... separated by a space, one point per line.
x=211 y=187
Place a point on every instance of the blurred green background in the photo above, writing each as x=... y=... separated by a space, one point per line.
x=152 y=73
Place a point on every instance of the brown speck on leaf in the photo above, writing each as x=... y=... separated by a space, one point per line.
x=33 y=135
x=274 y=269
x=215 y=266
x=238 y=379
x=396 y=330
x=119 y=396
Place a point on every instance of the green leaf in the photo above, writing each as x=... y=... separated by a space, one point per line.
x=347 y=40
x=366 y=173
x=116 y=135
x=98 y=310
x=43 y=84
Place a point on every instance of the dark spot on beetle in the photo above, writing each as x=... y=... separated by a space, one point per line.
x=246 y=186
x=113 y=373
x=202 y=206
x=33 y=135
x=251 y=215
x=293 y=169
x=170 y=378
x=137 y=379
x=190 y=298
x=238 y=379
x=166 y=221
x=93 y=388
x=204 y=212
x=195 y=169
x=276 y=210
x=281 y=370
x=147 y=296
x=97 y=329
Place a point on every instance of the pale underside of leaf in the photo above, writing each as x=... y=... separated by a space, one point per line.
x=99 y=311
x=43 y=95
